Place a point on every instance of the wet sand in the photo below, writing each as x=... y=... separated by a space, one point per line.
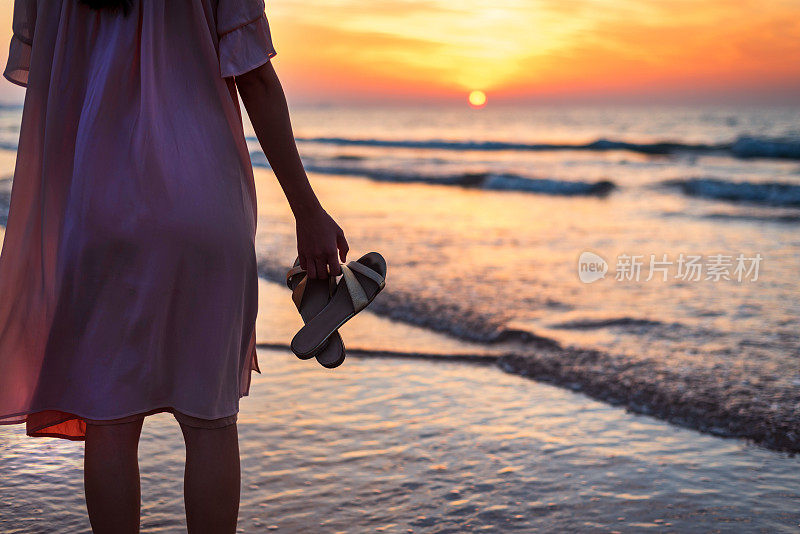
x=409 y=445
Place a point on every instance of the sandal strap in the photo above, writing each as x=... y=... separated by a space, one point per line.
x=298 y=291
x=300 y=288
x=291 y=274
x=366 y=271
x=295 y=270
x=331 y=285
x=357 y=294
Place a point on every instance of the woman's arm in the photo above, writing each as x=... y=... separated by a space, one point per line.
x=318 y=236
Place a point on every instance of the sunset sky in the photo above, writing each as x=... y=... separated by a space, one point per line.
x=531 y=50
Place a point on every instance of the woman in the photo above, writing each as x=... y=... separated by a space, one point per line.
x=128 y=282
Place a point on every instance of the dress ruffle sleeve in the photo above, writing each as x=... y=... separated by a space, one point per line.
x=245 y=41
x=19 y=53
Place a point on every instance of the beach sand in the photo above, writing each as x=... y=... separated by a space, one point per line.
x=410 y=445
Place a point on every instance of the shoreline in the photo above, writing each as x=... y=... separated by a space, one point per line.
x=641 y=387
x=634 y=401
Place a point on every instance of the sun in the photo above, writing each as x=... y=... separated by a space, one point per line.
x=477 y=99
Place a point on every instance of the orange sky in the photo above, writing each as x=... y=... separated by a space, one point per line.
x=539 y=50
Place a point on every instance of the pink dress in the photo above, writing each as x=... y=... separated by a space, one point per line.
x=128 y=281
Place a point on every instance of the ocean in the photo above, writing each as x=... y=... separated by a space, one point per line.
x=484 y=215
x=573 y=293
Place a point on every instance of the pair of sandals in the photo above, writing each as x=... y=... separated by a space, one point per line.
x=326 y=305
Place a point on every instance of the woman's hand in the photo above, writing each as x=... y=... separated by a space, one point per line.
x=320 y=244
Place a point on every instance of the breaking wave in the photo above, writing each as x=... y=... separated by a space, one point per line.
x=478 y=180
x=769 y=193
x=742 y=147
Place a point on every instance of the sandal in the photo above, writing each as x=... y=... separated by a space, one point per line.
x=311 y=296
x=360 y=283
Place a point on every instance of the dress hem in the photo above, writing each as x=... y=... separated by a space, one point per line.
x=34 y=432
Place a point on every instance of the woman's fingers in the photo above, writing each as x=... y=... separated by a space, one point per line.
x=311 y=268
x=341 y=244
x=322 y=267
x=333 y=265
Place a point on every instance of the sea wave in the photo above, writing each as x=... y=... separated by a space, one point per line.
x=612 y=322
x=510 y=182
x=744 y=216
x=749 y=217
x=754 y=147
x=768 y=193
x=478 y=180
x=742 y=147
x=443 y=144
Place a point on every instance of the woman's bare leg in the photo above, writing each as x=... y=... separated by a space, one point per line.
x=211 y=483
x=111 y=477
